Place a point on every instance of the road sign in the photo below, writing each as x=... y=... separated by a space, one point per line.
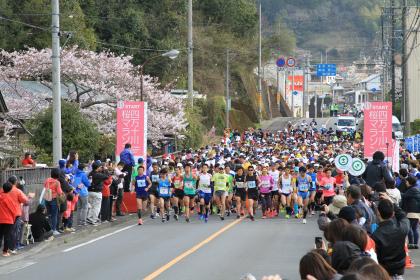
x=357 y=167
x=295 y=92
x=343 y=162
x=291 y=62
x=281 y=62
x=323 y=70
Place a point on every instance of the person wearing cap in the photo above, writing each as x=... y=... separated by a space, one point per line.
x=252 y=181
x=221 y=183
x=152 y=190
x=95 y=193
x=127 y=157
x=327 y=184
x=204 y=192
x=190 y=191
x=303 y=183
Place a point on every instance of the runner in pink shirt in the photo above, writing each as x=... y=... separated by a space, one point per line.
x=266 y=185
x=328 y=187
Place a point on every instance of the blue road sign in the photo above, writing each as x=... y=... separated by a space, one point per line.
x=295 y=92
x=323 y=70
x=281 y=62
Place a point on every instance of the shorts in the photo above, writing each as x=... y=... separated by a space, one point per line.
x=178 y=194
x=220 y=193
x=142 y=196
x=328 y=200
x=206 y=196
x=241 y=192
x=153 y=192
x=253 y=194
x=191 y=196
x=165 y=198
x=303 y=195
x=274 y=193
x=286 y=194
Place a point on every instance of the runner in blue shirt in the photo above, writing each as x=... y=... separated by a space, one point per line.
x=303 y=184
x=142 y=185
x=312 y=189
x=165 y=192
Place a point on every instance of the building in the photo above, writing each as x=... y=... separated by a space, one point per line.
x=413 y=68
x=366 y=90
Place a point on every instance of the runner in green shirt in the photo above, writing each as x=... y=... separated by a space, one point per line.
x=190 y=182
x=221 y=183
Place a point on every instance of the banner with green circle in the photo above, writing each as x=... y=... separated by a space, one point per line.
x=343 y=162
x=358 y=167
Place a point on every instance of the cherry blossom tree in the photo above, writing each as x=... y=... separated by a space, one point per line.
x=95 y=81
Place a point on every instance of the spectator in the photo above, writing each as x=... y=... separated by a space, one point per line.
x=27 y=161
x=374 y=271
x=106 y=200
x=127 y=158
x=393 y=192
x=68 y=214
x=73 y=160
x=18 y=198
x=359 y=263
x=348 y=213
x=7 y=216
x=40 y=225
x=390 y=236
x=53 y=186
x=343 y=254
x=66 y=188
x=377 y=170
x=119 y=181
x=411 y=205
x=402 y=180
x=354 y=198
x=81 y=184
x=360 y=238
x=95 y=193
x=335 y=230
x=315 y=265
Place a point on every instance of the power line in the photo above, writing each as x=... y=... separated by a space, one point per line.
x=25 y=24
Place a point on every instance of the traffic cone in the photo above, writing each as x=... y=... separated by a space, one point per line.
x=408 y=263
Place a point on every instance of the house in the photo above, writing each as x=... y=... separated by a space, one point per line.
x=366 y=90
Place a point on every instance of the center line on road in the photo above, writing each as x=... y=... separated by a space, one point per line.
x=162 y=269
x=96 y=239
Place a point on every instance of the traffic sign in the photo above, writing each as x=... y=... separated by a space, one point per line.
x=343 y=162
x=291 y=62
x=323 y=70
x=295 y=92
x=281 y=61
x=357 y=167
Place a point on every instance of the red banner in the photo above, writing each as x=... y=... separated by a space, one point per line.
x=298 y=81
x=378 y=128
x=132 y=127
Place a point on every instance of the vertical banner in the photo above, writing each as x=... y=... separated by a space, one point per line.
x=132 y=127
x=298 y=83
x=396 y=156
x=377 y=135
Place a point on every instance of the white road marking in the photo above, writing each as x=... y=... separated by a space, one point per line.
x=21 y=267
x=96 y=239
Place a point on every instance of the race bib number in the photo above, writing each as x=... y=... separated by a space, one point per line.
x=240 y=185
x=164 y=191
x=189 y=185
x=303 y=186
x=252 y=184
x=155 y=178
x=265 y=184
x=141 y=183
x=328 y=187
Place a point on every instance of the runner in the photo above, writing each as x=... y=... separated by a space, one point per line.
x=275 y=174
x=287 y=186
x=204 y=193
x=190 y=182
x=165 y=191
x=142 y=185
x=240 y=191
x=303 y=184
x=221 y=183
x=312 y=189
x=153 y=192
x=252 y=181
x=230 y=174
x=265 y=186
x=178 y=194
x=328 y=190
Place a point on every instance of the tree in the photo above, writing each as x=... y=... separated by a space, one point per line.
x=95 y=82
x=79 y=133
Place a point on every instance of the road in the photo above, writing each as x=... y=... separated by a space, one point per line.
x=261 y=247
x=280 y=123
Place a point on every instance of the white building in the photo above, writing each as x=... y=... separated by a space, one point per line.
x=367 y=90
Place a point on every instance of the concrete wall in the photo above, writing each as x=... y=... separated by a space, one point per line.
x=413 y=68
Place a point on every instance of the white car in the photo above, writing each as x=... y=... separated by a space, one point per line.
x=346 y=123
x=397 y=128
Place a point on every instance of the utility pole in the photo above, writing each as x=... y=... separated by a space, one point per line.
x=293 y=90
x=228 y=103
x=305 y=86
x=405 y=105
x=278 y=87
x=190 y=55
x=56 y=84
x=259 y=63
x=393 y=99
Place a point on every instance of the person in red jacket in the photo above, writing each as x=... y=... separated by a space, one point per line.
x=7 y=216
x=106 y=200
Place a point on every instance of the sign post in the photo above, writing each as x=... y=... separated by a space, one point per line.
x=132 y=127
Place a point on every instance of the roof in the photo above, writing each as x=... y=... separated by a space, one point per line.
x=33 y=87
x=370 y=78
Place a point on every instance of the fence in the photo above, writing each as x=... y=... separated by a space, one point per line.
x=32 y=176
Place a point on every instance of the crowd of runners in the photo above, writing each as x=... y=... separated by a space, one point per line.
x=288 y=173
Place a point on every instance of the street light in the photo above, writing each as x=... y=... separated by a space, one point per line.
x=172 y=54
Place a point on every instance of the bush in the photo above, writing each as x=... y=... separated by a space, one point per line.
x=78 y=132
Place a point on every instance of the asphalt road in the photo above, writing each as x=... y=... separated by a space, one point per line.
x=262 y=247
x=280 y=123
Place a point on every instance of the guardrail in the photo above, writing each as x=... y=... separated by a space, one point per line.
x=32 y=176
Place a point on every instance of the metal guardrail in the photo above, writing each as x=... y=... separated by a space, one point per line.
x=32 y=176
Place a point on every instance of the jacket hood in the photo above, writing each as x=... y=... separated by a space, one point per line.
x=344 y=252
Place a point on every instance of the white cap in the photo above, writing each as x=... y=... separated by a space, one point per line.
x=179 y=164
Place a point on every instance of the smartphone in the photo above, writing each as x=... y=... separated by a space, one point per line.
x=318 y=242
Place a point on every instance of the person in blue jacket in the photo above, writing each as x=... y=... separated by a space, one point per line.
x=81 y=184
x=127 y=157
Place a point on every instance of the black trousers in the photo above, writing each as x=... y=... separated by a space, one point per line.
x=105 y=214
x=119 y=201
x=5 y=230
x=127 y=179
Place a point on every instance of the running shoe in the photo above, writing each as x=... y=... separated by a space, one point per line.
x=6 y=254
x=140 y=222
x=187 y=220
x=282 y=210
x=242 y=213
x=228 y=213
x=13 y=252
x=167 y=217
x=206 y=219
x=287 y=216
x=222 y=218
x=304 y=221
x=176 y=217
x=264 y=217
x=238 y=216
x=313 y=213
x=56 y=232
x=152 y=216
x=163 y=220
x=201 y=217
x=252 y=218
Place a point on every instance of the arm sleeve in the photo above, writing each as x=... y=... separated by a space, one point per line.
x=85 y=181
